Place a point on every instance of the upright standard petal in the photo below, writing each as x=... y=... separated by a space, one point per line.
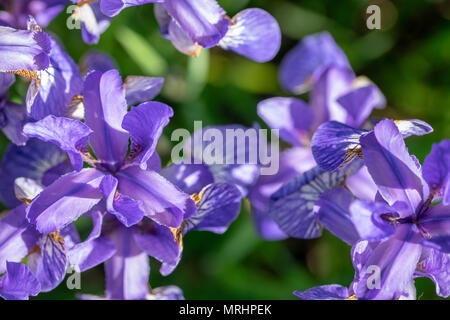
x=359 y=103
x=291 y=116
x=335 y=144
x=145 y=124
x=65 y=200
x=23 y=50
x=391 y=167
x=112 y=8
x=254 y=34
x=334 y=214
x=203 y=21
x=141 y=89
x=105 y=108
x=332 y=83
x=217 y=208
x=292 y=205
x=18 y=283
x=436 y=169
x=161 y=200
x=128 y=269
x=311 y=55
x=30 y=161
x=68 y=134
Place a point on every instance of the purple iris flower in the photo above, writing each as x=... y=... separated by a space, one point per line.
x=115 y=174
x=127 y=269
x=24 y=172
x=116 y=193
x=337 y=94
x=16 y=12
x=46 y=253
x=407 y=229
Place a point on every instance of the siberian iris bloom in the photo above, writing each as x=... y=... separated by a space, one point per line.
x=405 y=228
x=16 y=12
x=116 y=174
x=127 y=269
x=192 y=25
x=337 y=94
x=119 y=190
x=24 y=172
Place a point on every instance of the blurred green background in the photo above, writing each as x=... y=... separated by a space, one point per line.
x=409 y=59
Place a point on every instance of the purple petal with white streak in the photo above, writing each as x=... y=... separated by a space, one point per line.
x=65 y=200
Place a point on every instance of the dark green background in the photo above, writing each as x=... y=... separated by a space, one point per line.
x=409 y=59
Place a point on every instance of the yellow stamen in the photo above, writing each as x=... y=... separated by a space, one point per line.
x=55 y=235
x=82 y=3
x=178 y=234
x=352 y=297
x=28 y=74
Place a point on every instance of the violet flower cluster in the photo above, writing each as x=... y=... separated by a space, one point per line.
x=355 y=178
x=83 y=144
